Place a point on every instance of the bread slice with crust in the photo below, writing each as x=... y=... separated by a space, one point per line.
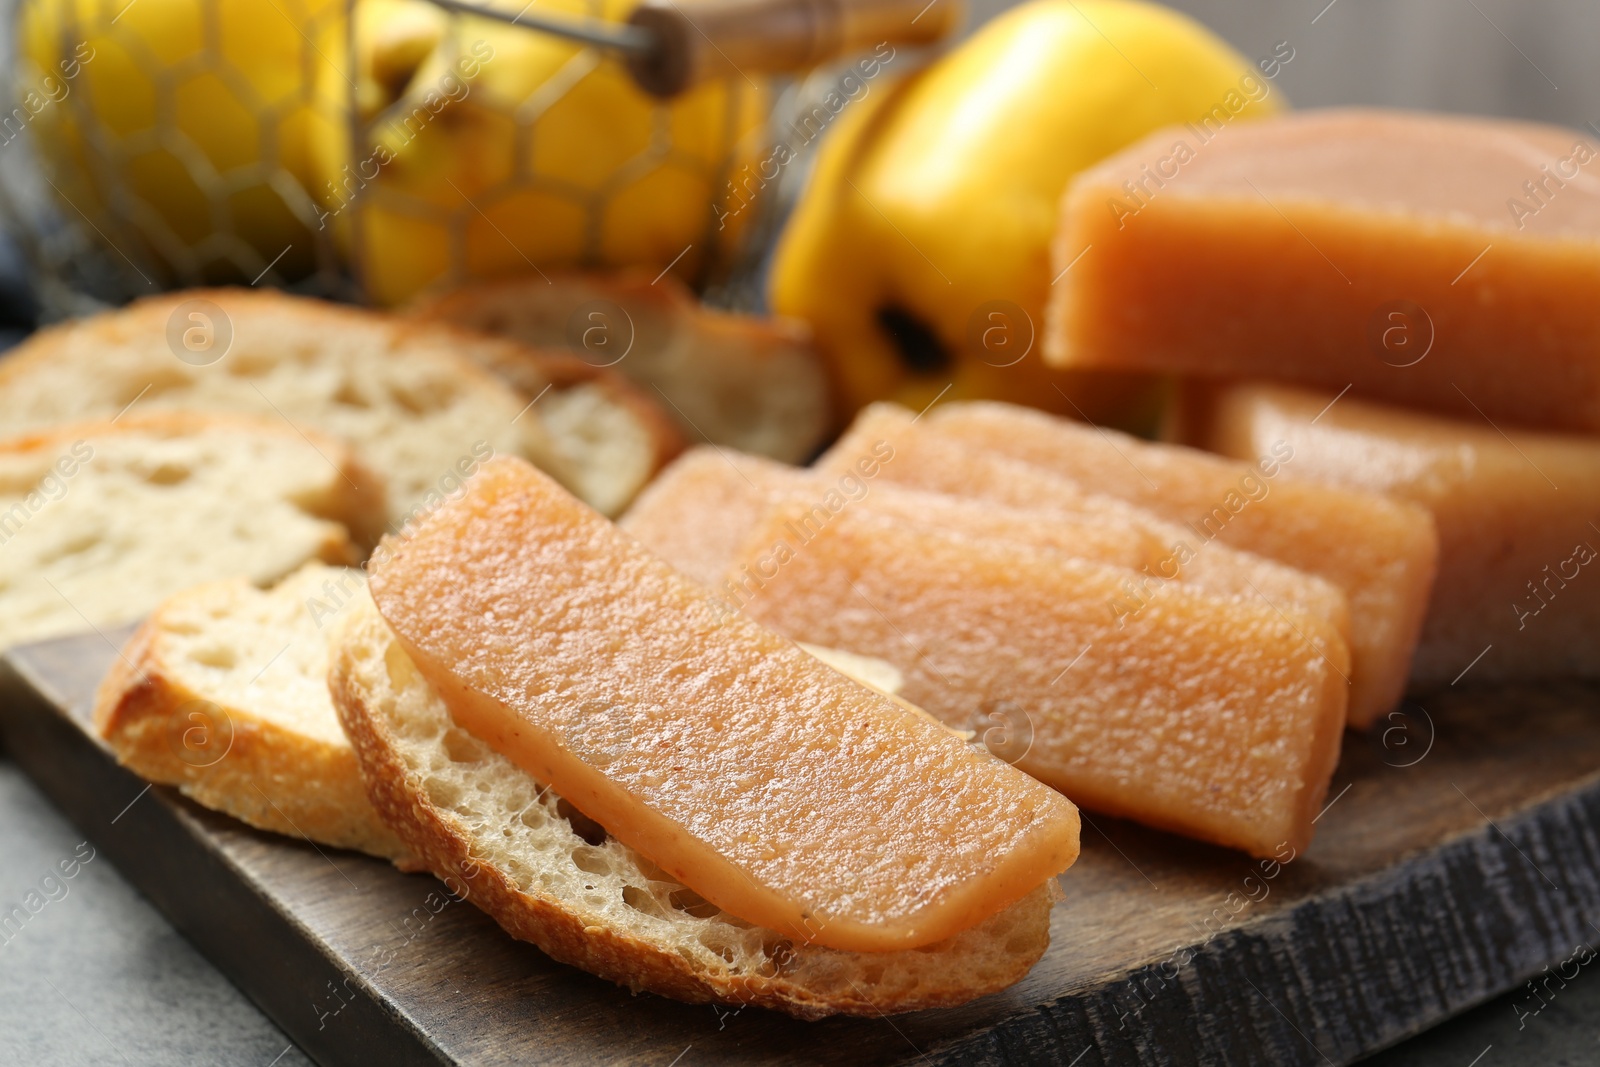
x=414 y=399
x=549 y=876
x=222 y=691
x=99 y=522
x=611 y=437
x=744 y=381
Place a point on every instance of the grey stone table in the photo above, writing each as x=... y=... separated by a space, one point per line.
x=98 y=976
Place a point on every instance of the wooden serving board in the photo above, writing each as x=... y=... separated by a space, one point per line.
x=1460 y=855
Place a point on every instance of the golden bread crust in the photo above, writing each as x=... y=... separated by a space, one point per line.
x=228 y=758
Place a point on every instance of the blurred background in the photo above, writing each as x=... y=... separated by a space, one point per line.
x=1495 y=57
x=1530 y=60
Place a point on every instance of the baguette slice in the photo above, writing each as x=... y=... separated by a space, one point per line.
x=223 y=693
x=412 y=398
x=549 y=876
x=99 y=522
x=750 y=383
x=611 y=438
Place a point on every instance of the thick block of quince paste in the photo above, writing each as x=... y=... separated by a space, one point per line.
x=699 y=512
x=1380 y=552
x=1437 y=261
x=1209 y=716
x=769 y=783
x=1518 y=582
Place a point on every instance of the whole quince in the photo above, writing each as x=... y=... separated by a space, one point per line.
x=176 y=128
x=487 y=150
x=919 y=252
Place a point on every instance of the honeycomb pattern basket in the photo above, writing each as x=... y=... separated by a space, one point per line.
x=165 y=145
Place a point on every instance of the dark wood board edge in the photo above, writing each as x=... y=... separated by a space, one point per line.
x=1331 y=979
x=262 y=950
x=1346 y=975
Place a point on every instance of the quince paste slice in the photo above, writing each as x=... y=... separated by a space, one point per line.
x=770 y=784
x=1517 y=512
x=699 y=512
x=1379 y=551
x=1216 y=718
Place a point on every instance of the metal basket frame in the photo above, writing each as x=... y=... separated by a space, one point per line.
x=78 y=267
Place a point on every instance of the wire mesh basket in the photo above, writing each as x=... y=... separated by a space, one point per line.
x=172 y=143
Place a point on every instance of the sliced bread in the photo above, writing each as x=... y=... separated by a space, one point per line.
x=413 y=399
x=551 y=877
x=223 y=692
x=744 y=381
x=610 y=436
x=99 y=522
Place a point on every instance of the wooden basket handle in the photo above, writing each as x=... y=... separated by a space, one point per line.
x=696 y=40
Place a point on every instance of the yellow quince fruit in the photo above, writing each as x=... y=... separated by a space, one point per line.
x=488 y=150
x=920 y=251
x=174 y=130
